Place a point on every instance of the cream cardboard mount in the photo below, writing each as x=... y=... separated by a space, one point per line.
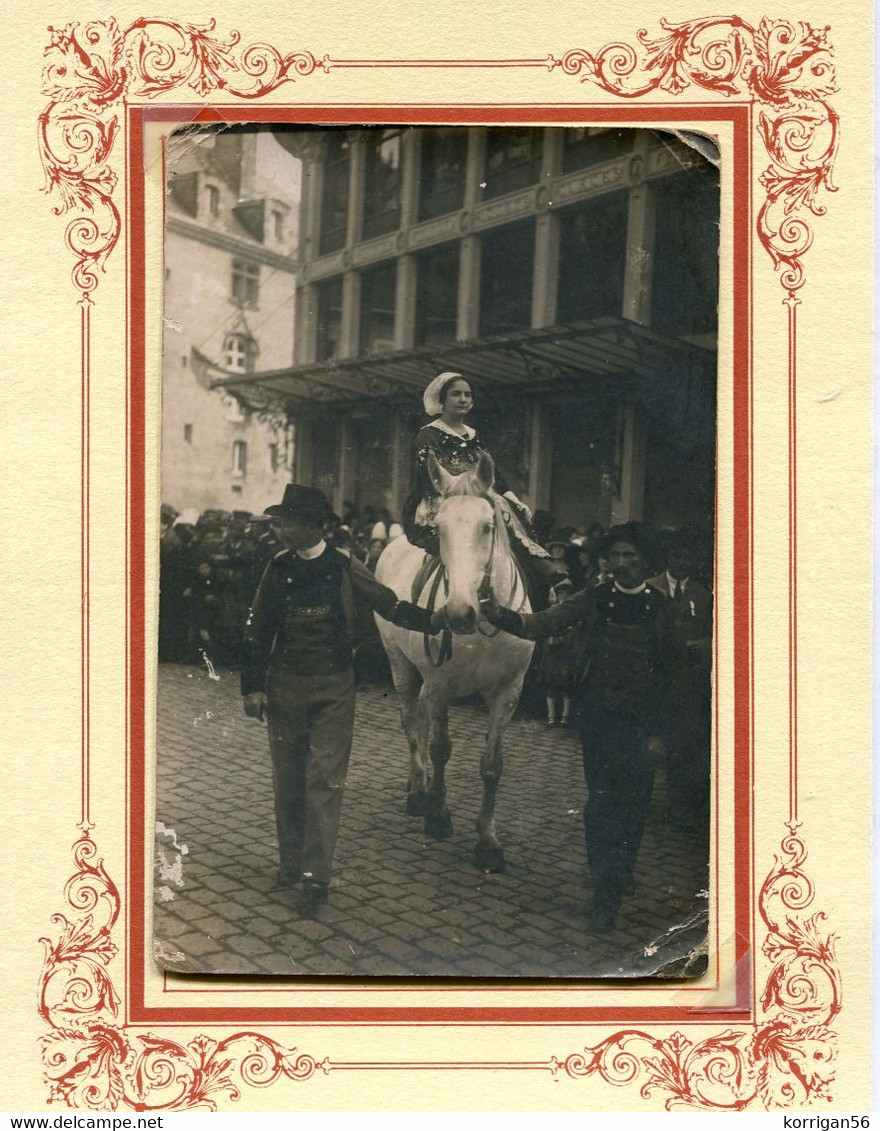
x=787 y=1025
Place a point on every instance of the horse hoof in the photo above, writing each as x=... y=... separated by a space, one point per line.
x=489 y=858
x=438 y=826
x=416 y=805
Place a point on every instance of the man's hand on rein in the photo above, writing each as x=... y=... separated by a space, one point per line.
x=489 y=607
x=438 y=619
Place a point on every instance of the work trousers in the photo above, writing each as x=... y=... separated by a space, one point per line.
x=688 y=730
x=311 y=722
x=619 y=774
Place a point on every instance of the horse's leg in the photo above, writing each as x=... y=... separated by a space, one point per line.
x=406 y=683
x=488 y=853
x=438 y=822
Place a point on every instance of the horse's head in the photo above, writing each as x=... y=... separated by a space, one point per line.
x=466 y=525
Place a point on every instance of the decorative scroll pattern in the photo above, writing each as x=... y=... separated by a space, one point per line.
x=787 y=1057
x=783 y=1061
x=92 y=1062
x=785 y=67
x=92 y=68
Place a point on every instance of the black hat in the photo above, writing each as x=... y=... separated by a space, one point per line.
x=557 y=538
x=300 y=502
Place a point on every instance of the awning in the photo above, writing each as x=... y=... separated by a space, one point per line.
x=528 y=361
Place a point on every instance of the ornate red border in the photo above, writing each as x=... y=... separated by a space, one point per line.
x=783 y=71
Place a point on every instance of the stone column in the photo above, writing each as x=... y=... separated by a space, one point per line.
x=410 y=160
x=349 y=334
x=629 y=499
x=405 y=294
x=545 y=277
x=400 y=465
x=306 y=324
x=468 y=313
x=405 y=303
x=356 y=173
x=638 y=271
x=540 y=458
x=346 y=473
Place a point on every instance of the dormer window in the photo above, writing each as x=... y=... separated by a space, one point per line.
x=239 y=351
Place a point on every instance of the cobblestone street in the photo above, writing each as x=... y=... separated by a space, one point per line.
x=400 y=904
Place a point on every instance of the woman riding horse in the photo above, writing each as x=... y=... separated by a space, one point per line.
x=457 y=448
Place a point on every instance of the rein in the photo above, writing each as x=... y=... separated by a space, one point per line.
x=485 y=586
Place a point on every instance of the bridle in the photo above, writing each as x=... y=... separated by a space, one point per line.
x=484 y=589
x=485 y=586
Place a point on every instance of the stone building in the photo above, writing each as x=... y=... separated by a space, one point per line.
x=570 y=273
x=230 y=291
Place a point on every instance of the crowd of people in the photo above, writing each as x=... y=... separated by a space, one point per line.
x=210 y=565
x=624 y=621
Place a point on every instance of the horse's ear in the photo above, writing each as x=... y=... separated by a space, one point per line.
x=484 y=473
x=438 y=474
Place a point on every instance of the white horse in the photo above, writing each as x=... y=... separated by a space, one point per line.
x=429 y=672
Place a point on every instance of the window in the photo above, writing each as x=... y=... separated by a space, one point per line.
x=684 y=296
x=187 y=433
x=443 y=165
x=592 y=257
x=278 y=225
x=329 y=319
x=506 y=279
x=238 y=353
x=382 y=183
x=273 y=457
x=591 y=145
x=334 y=197
x=213 y=200
x=245 y=282
x=437 y=296
x=378 y=289
x=513 y=159
x=239 y=459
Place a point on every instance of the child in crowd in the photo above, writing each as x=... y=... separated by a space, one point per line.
x=557 y=671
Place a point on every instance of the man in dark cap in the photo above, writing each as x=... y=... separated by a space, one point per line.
x=623 y=641
x=688 y=690
x=298 y=673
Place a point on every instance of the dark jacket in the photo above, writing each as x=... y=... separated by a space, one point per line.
x=623 y=644
x=267 y=614
x=689 y=642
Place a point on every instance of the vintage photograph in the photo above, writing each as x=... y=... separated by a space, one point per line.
x=436 y=545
